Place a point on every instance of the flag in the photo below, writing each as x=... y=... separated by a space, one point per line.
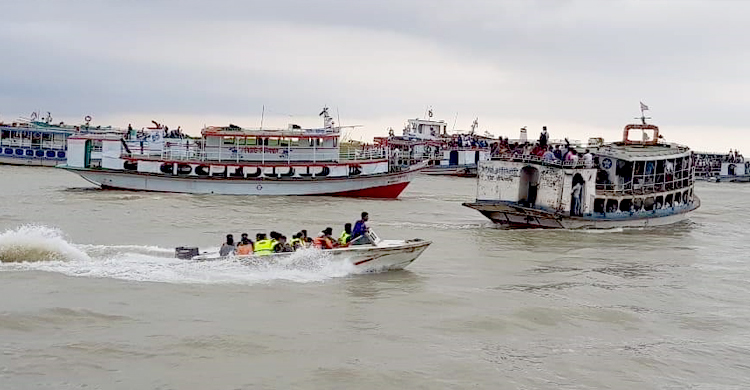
x=643 y=107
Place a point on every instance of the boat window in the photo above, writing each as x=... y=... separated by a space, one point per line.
x=228 y=140
x=659 y=202
x=648 y=204
x=668 y=201
x=612 y=205
x=598 y=205
x=638 y=204
x=272 y=141
x=626 y=204
x=335 y=142
x=677 y=197
x=6 y=134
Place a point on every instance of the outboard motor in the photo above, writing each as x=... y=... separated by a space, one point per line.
x=185 y=253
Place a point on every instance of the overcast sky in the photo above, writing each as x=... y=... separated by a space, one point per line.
x=579 y=67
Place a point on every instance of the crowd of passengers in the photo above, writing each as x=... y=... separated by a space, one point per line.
x=734 y=156
x=276 y=242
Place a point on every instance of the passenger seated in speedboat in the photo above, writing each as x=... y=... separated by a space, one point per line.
x=297 y=242
x=360 y=228
x=263 y=245
x=284 y=246
x=245 y=246
x=324 y=240
x=346 y=235
x=306 y=241
x=228 y=247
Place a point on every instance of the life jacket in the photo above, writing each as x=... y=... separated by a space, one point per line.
x=246 y=249
x=264 y=247
x=296 y=243
x=322 y=242
x=344 y=238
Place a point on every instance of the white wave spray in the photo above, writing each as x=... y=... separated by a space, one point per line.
x=39 y=248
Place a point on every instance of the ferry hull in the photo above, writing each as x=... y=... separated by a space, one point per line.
x=365 y=258
x=451 y=171
x=376 y=186
x=512 y=215
x=34 y=162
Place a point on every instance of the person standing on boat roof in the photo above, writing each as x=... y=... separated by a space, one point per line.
x=544 y=137
x=228 y=247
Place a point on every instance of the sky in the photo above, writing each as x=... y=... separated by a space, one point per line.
x=578 y=67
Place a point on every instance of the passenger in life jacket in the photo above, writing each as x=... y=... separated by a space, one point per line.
x=346 y=235
x=306 y=241
x=297 y=242
x=284 y=246
x=275 y=238
x=245 y=246
x=324 y=240
x=263 y=245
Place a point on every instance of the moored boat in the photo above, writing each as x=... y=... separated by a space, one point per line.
x=637 y=182
x=378 y=255
x=447 y=155
x=237 y=161
x=39 y=142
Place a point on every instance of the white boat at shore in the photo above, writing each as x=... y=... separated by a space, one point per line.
x=379 y=255
x=447 y=154
x=637 y=182
x=235 y=161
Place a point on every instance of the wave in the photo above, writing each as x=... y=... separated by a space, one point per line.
x=40 y=248
x=31 y=243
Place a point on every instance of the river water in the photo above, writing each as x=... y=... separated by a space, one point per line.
x=92 y=298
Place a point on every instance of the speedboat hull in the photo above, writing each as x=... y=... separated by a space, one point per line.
x=387 y=255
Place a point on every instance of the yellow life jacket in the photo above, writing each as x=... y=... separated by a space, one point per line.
x=344 y=238
x=264 y=247
x=296 y=243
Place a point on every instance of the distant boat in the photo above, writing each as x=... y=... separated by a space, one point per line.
x=40 y=142
x=716 y=167
x=637 y=182
x=237 y=161
x=447 y=155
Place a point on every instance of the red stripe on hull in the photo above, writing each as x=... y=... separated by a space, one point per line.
x=391 y=191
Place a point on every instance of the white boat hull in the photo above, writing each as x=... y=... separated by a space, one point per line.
x=387 y=256
x=30 y=161
x=375 y=186
x=514 y=216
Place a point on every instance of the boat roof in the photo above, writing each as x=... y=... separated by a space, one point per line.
x=236 y=131
x=660 y=151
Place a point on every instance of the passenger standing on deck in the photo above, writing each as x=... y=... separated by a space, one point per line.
x=558 y=153
x=588 y=158
x=228 y=247
x=549 y=155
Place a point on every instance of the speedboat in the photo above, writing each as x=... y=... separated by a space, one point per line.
x=376 y=256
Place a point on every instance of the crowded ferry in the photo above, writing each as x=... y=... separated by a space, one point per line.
x=239 y=161
x=639 y=181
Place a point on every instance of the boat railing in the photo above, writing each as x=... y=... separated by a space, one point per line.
x=363 y=154
x=534 y=159
x=194 y=151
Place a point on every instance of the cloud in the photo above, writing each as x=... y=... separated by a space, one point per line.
x=579 y=66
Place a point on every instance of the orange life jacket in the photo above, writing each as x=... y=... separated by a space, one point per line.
x=245 y=249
